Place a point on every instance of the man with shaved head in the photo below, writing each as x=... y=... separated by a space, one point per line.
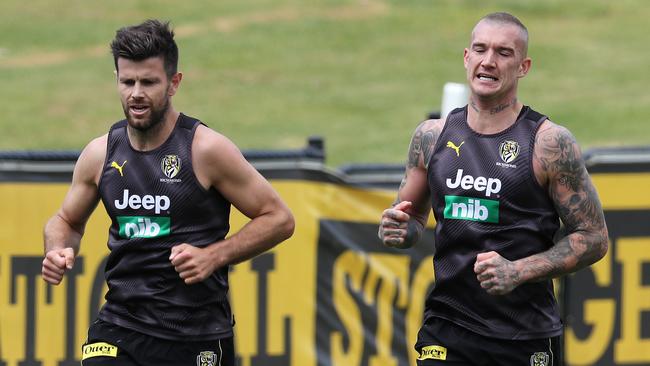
x=499 y=178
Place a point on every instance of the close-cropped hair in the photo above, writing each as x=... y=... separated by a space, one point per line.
x=507 y=18
x=152 y=38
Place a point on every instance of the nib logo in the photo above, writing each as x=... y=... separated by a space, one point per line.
x=472 y=209
x=143 y=226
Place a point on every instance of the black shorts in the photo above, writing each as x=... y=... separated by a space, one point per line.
x=441 y=342
x=109 y=344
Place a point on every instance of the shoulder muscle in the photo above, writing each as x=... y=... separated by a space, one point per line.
x=212 y=153
x=557 y=155
x=423 y=142
x=89 y=165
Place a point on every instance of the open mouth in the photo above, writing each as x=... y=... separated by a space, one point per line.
x=486 y=77
x=138 y=109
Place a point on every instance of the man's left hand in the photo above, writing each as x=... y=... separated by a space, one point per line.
x=192 y=263
x=497 y=275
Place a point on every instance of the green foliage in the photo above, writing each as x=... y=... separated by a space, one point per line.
x=362 y=73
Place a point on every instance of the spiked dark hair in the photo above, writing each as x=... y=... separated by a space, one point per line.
x=152 y=38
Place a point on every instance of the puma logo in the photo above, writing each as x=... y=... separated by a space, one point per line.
x=118 y=167
x=456 y=148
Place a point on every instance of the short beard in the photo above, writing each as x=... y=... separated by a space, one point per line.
x=157 y=116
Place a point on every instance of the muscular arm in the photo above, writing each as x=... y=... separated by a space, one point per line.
x=63 y=231
x=402 y=224
x=219 y=164
x=559 y=167
x=558 y=164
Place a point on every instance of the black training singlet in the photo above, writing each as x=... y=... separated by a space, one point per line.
x=156 y=202
x=485 y=197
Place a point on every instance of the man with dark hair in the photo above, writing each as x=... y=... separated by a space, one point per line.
x=167 y=182
x=499 y=177
x=139 y=42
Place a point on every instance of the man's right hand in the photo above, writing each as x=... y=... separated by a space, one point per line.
x=55 y=263
x=394 y=225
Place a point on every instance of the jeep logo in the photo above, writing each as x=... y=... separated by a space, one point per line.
x=148 y=202
x=480 y=184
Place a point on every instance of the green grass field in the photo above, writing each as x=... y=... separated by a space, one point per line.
x=362 y=73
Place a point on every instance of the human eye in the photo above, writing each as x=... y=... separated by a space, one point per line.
x=149 y=82
x=127 y=82
x=506 y=52
x=478 y=49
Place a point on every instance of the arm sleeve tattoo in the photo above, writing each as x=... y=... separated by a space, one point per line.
x=419 y=154
x=577 y=203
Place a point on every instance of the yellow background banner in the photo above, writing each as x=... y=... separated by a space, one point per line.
x=315 y=298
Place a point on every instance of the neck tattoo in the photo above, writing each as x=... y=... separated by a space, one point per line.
x=496 y=109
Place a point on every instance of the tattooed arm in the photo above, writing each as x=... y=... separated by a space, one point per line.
x=402 y=225
x=557 y=157
x=559 y=167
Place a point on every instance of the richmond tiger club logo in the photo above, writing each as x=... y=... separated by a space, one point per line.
x=170 y=166
x=539 y=359
x=206 y=358
x=508 y=151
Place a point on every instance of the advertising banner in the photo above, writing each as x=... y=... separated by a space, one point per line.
x=330 y=295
